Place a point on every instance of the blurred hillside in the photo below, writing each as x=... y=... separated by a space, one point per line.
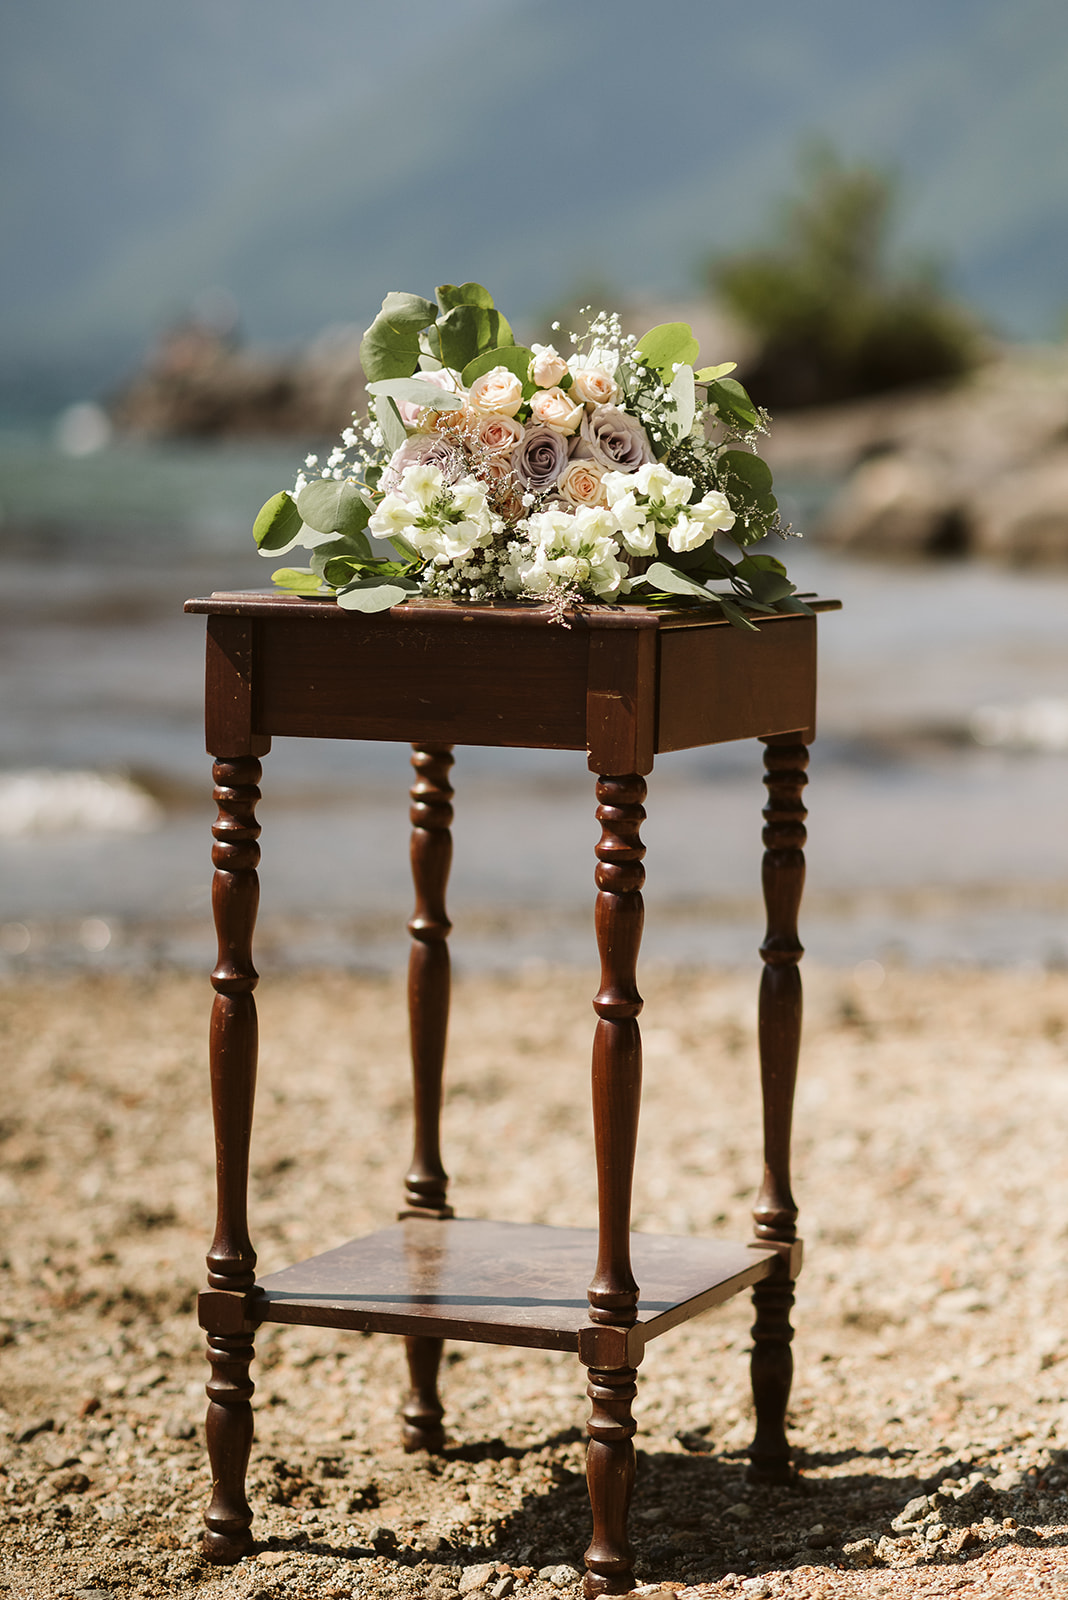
x=307 y=160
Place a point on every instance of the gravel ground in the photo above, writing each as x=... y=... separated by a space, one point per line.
x=929 y=1405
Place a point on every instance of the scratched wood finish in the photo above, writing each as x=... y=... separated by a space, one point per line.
x=779 y=1027
x=233 y=1049
x=623 y=683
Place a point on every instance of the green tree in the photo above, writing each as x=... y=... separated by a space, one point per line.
x=833 y=317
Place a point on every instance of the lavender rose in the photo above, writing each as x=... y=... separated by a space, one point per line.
x=421 y=450
x=614 y=439
x=540 y=458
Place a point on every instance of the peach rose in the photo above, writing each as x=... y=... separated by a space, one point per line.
x=552 y=408
x=547 y=367
x=582 y=484
x=594 y=385
x=496 y=390
x=498 y=433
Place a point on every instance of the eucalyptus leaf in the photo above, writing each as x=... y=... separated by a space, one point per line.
x=793 y=604
x=667 y=345
x=734 y=614
x=390 y=347
x=417 y=392
x=375 y=594
x=516 y=357
x=703 y=563
x=451 y=295
x=394 y=433
x=277 y=528
x=766 y=577
x=296 y=580
x=710 y=374
x=682 y=388
x=733 y=404
x=661 y=576
x=464 y=332
x=355 y=549
x=333 y=505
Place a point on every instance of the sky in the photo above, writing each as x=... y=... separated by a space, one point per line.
x=308 y=159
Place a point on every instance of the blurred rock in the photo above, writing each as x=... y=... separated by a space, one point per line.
x=981 y=468
x=200 y=383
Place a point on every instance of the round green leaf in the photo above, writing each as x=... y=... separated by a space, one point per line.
x=331 y=505
x=451 y=295
x=296 y=580
x=516 y=357
x=417 y=392
x=390 y=347
x=375 y=594
x=666 y=346
x=277 y=528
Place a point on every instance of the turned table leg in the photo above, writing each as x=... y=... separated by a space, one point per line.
x=617 y=1078
x=426 y=1182
x=231 y=1259
x=775 y=1214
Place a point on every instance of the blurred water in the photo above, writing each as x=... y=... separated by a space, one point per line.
x=923 y=845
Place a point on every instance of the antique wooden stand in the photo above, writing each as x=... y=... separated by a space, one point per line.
x=623 y=684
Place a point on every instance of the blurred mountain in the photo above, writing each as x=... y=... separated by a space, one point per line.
x=308 y=159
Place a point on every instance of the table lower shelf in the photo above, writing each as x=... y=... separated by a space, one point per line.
x=498 y=1282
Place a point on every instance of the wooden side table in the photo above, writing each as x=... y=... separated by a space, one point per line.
x=623 y=684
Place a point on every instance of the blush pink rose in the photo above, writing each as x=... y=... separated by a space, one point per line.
x=594 y=385
x=547 y=367
x=497 y=433
x=582 y=484
x=553 y=408
x=496 y=390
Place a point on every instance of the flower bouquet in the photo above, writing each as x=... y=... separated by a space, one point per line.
x=490 y=471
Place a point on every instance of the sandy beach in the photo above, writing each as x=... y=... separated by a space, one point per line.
x=931 y=1348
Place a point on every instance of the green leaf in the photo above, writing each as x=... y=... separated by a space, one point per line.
x=390 y=347
x=417 y=392
x=736 y=615
x=793 y=605
x=516 y=357
x=375 y=594
x=394 y=433
x=667 y=345
x=332 y=505
x=733 y=404
x=297 y=580
x=742 y=466
x=681 y=386
x=354 y=548
x=661 y=576
x=465 y=332
x=710 y=374
x=277 y=528
x=767 y=584
x=703 y=563
x=406 y=551
x=451 y=295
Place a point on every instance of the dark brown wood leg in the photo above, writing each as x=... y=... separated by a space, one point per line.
x=617 y=1079
x=426 y=1181
x=231 y=1259
x=429 y=982
x=775 y=1214
x=423 y=1410
x=610 y=1477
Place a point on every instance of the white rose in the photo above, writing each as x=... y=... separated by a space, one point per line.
x=715 y=511
x=582 y=484
x=547 y=367
x=552 y=408
x=496 y=390
x=594 y=386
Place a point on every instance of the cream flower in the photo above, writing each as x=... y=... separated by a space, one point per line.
x=393 y=515
x=496 y=390
x=594 y=386
x=423 y=484
x=497 y=433
x=553 y=408
x=660 y=483
x=582 y=484
x=547 y=367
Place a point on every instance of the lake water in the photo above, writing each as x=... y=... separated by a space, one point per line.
x=925 y=845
